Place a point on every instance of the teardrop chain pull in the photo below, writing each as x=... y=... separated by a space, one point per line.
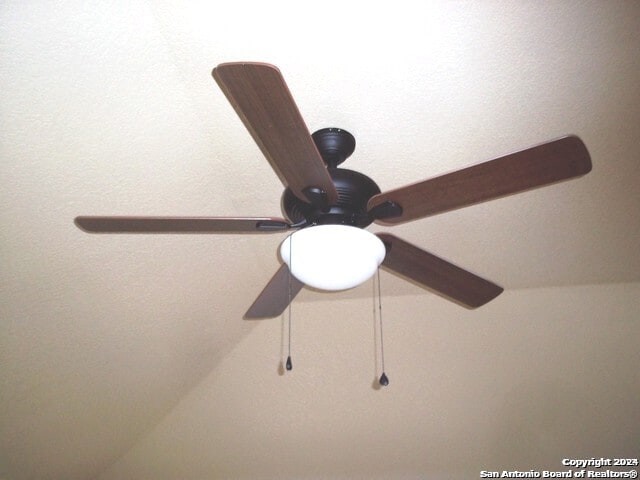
x=384 y=380
x=289 y=364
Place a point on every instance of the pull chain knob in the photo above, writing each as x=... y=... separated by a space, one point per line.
x=289 y=365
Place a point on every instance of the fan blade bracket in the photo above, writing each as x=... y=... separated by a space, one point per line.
x=271 y=225
x=386 y=209
x=316 y=196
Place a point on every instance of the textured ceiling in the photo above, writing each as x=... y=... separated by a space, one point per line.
x=110 y=108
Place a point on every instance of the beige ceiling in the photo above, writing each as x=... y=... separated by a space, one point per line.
x=127 y=356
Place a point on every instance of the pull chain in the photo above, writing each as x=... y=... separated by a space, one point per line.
x=289 y=365
x=384 y=380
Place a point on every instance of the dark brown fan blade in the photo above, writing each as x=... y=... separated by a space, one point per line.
x=263 y=101
x=541 y=165
x=95 y=224
x=436 y=274
x=275 y=297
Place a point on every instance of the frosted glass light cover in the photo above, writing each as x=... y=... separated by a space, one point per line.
x=332 y=257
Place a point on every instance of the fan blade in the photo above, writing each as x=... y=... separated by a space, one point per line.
x=550 y=162
x=261 y=98
x=95 y=224
x=275 y=297
x=436 y=274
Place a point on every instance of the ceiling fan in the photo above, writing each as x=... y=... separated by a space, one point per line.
x=318 y=193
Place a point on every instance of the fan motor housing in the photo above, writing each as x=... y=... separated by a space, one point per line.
x=354 y=191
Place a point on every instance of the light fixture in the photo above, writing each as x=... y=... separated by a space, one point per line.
x=332 y=257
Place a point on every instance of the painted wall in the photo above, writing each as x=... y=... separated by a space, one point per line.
x=532 y=378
